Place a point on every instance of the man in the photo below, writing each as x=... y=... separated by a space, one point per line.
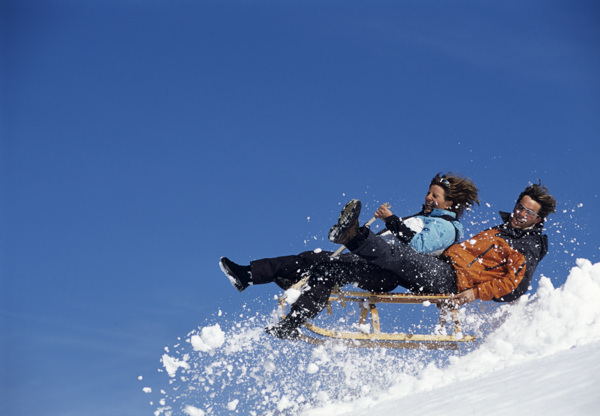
x=496 y=264
x=522 y=234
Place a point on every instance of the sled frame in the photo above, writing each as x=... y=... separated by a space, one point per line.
x=376 y=338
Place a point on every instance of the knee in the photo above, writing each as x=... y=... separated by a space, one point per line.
x=322 y=275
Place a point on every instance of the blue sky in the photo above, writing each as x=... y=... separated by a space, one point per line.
x=141 y=141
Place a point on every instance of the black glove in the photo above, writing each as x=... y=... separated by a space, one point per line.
x=399 y=229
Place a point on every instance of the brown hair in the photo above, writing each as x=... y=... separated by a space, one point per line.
x=539 y=193
x=461 y=191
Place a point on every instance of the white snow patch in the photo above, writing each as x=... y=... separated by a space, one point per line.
x=193 y=411
x=312 y=368
x=210 y=337
x=284 y=403
x=232 y=404
x=172 y=364
x=364 y=328
x=292 y=295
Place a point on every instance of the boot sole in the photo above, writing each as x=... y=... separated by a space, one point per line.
x=349 y=213
x=347 y=218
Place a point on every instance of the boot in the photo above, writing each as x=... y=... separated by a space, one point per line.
x=347 y=226
x=239 y=276
x=288 y=328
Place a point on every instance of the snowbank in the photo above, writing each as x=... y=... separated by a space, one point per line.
x=551 y=340
x=564 y=383
x=553 y=321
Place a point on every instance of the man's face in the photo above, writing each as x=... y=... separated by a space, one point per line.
x=525 y=214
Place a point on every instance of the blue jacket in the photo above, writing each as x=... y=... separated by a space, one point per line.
x=428 y=233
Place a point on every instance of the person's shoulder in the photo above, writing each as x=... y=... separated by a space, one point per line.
x=446 y=218
x=443 y=214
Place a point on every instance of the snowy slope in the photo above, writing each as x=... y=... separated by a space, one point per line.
x=564 y=383
x=544 y=359
x=540 y=356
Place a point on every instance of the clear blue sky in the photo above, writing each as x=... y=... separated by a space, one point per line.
x=142 y=140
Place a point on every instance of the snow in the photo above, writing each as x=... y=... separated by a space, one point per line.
x=211 y=337
x=540 y=355
x=172 y=364
x=561 y=384
x=551 y=344
x=193 y=411
x=232 y=404
x=292 y=295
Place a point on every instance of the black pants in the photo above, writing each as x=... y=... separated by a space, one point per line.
x=421 y=273
x=324 y=274
x=374 y=265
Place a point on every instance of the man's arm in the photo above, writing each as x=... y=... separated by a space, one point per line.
x=533 y=256
x=506 y=277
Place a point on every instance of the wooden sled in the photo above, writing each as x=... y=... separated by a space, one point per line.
x=374 y=338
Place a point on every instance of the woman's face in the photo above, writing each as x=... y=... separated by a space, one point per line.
x=436 y=198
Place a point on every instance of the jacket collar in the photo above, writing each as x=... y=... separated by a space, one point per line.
x=437 y=212
x=506 y=216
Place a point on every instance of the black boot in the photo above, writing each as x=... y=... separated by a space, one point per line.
x=288 y=328
x=347 y=226
x=239 y=276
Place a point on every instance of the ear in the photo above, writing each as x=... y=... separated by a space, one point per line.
x=448 y=204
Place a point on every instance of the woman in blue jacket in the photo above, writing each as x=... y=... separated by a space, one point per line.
x=433 y=229
x=430 y=231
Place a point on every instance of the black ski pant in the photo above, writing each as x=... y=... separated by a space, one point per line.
x=324 y=274
x=374 y=265
x=421 y=273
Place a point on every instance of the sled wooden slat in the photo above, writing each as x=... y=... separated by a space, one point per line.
x=362 y=296
x=382 y=336
x=380 y=344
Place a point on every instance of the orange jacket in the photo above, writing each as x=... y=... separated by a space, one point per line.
x=487 y=263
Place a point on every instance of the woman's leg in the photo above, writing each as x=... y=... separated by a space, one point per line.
x=285 y=271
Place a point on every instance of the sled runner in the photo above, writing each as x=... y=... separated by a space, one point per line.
x=371 y=336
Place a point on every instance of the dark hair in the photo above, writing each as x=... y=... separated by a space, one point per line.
x=539 y=193
x=461 y=191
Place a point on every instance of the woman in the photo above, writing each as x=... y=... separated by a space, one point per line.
x=436 y=227
x=433 y=229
